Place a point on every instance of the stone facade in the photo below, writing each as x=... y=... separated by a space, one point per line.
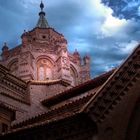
x=44 y=106
x=37 y=69
x=104 y=108
x=43 y=56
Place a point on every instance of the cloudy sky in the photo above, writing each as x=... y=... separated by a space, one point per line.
x=108 y=31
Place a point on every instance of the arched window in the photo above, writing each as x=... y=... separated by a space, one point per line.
x=44 y=69
x=74 y=75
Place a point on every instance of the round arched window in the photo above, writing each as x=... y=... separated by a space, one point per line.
x=44 y=70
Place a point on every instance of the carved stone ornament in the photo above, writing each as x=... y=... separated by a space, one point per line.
x=65 y=62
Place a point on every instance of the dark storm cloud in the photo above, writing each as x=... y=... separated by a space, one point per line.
x=127 y=9
x=82 y=23
x=82 y=31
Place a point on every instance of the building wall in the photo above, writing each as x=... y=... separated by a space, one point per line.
x=41 y=56
x=117 y=123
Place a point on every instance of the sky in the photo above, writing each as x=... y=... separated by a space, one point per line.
x=107 y=30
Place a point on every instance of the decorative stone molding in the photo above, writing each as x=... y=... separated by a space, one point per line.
x=12 y=86
x=112 y=92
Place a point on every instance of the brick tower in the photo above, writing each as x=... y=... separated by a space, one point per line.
x=43 y=56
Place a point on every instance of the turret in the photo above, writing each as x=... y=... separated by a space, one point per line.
x=86 y=59
x=85 y=69
x=5 y=51
x=76 y=57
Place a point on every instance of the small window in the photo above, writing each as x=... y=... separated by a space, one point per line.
x=47 y=78
x=4 y=127
x=43 y=36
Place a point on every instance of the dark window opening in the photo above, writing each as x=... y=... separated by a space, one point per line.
x=43 y=36
x=4 y=127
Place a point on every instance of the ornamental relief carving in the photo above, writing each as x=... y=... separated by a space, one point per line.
x=13 y=86
x=113 y=93
x=14 y=67
x=10 y=92
x=24 y=58
x=44 y=49
x=65 y=63
x=2 y=75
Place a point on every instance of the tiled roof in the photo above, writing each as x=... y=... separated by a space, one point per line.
x=63 y=110
x=44 y=123
x=78 y=90
x=70 y=103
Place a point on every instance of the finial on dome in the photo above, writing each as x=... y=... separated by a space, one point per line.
x=5 y=47
x=41 y=6
x=76 y=53
x=42 y=22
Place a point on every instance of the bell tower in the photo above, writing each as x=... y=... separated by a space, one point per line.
x=43 y=56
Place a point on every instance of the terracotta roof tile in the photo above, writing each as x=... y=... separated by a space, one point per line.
x=67 y=109
x=70 y=105
x=72 y=100
x=59 y=111
x=78 y=90
x=46 y=122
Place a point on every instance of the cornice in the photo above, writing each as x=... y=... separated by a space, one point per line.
x=77 y=90
x=70 y=108
x=13 y=87
x=48 y=82
x=5 y=75
x=117 y=86
x=3 y=105
x=42 y=29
